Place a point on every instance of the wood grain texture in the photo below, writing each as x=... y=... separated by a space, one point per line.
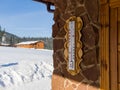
x=104 y=47
x=115 y=3
x=111 y=1
x=119 y=15
x=119 y=31
x=119 y=67
x=119 y=86
x=113 y=49
x=119 y=47
x=103 y=1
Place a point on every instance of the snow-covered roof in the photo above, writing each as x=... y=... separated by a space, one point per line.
x=28 y=42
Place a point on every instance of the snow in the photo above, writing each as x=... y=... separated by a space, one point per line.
x=25 y=69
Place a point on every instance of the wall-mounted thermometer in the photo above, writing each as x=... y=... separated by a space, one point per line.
x=73 y=44
x=71 y=48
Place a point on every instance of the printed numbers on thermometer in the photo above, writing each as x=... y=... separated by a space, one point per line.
x=71 y=49
x=73 y=44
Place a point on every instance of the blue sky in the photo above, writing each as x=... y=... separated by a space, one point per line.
x=26 y=18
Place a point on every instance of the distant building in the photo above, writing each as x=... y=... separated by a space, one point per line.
x=31 y=44
x=4 y=41
x=4 y=38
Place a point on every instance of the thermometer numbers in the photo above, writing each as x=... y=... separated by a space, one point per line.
x=71 y=48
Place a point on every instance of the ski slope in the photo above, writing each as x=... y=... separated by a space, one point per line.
x=25 y=69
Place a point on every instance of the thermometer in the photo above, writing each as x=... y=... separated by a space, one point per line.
x=71 y=50
x=73 y=45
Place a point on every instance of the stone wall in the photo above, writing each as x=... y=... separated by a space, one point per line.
x=88 y=78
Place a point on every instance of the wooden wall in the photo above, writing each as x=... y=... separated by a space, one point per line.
x=110 y=44
x=38 y=45
x=25 y=46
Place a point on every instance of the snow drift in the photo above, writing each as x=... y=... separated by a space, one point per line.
x=25 y=69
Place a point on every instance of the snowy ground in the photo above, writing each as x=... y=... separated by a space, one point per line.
x=25 y=69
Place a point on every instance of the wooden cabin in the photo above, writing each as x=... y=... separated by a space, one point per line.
x=31 y=44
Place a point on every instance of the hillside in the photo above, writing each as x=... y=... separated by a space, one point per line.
x=12 y=39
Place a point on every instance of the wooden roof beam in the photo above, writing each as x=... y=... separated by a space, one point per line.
x=48 y=3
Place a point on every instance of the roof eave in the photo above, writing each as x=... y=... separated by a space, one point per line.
x=45 y=1
x=48 y=3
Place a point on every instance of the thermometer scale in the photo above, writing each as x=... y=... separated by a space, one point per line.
x=71 y=47
x=73 y=44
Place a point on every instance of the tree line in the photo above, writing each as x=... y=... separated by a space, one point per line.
x=12 y=39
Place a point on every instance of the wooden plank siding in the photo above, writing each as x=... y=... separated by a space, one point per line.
x=104 y=45
x=110 y=44
x=113 y=49
x=118 y=23
x=119 y=67
x=119 y=29
x=103 y=1
x=114 y=3
x=39 y=45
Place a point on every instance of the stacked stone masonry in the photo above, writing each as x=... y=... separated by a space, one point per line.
x=88 y=78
